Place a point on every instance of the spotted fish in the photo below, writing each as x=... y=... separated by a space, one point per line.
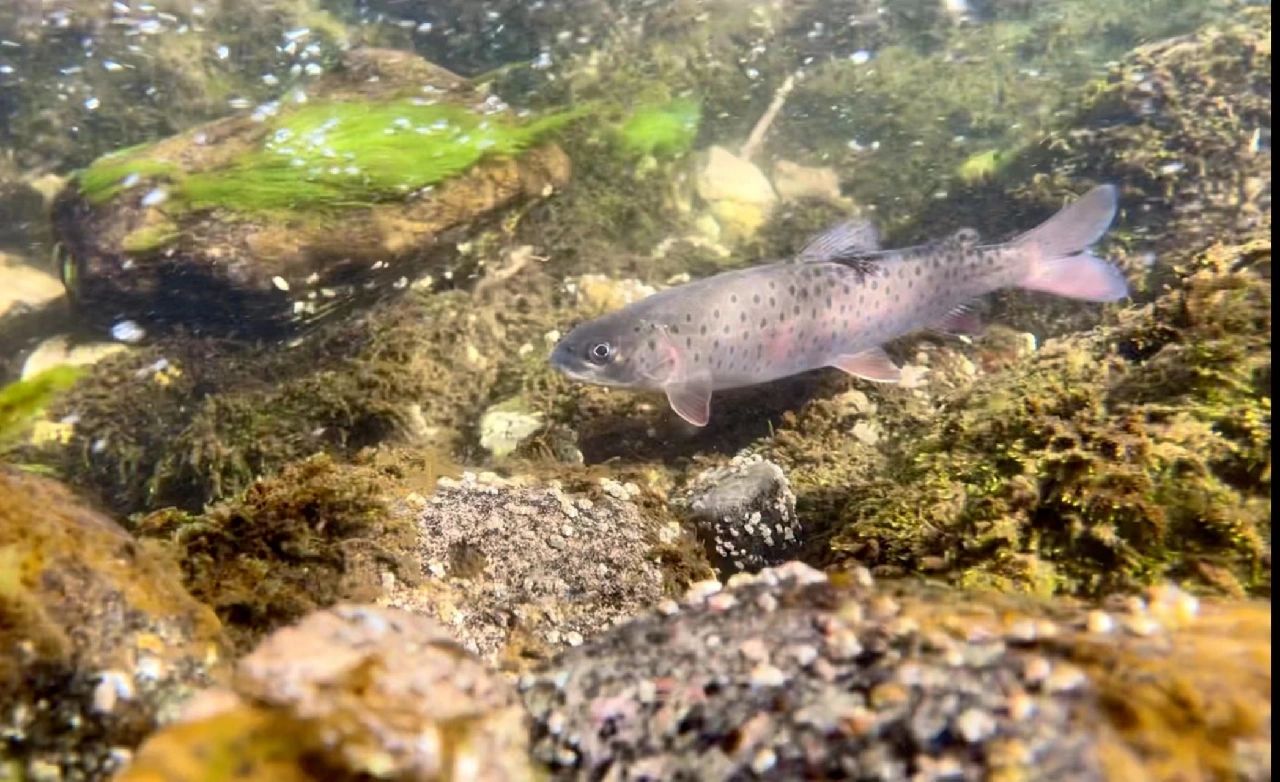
x=833 y=305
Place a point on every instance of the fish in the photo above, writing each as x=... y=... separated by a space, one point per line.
x=833 y=304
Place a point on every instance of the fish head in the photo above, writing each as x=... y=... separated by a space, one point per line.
x=614 y=350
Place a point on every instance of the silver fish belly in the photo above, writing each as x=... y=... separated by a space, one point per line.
x=834 y=305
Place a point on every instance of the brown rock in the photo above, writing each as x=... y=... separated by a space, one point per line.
x=99 y=641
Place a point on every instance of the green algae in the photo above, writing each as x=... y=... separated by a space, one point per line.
x=22 y=400
x=667 y=129
x=330 y=155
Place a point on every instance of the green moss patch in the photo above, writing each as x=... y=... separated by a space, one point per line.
x=330 y=155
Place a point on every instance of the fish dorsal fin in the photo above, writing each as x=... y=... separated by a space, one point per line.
x=849 y=240
x=871 y=364
x=690 y=397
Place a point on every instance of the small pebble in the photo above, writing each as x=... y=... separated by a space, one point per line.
x=1099 y=622
x=766 y=675
x=975 y=725
x=1064 y=678
x=765 y=759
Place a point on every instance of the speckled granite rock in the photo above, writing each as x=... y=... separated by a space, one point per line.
x=519 y=570
x=746 y=513
x=351 y=692
x=790 y=675
x=99 y=642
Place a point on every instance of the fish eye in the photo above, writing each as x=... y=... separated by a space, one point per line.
x=600 y=352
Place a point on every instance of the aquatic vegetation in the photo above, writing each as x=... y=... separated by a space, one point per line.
x=927 y=107
x=22 y=400
x=1082 y=471
x=305 y=539
x=328 y=155
x=665 y=129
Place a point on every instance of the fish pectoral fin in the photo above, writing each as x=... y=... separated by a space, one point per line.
x=691 y=398
x=850 y=239
x=960 y=320
x=873 y=364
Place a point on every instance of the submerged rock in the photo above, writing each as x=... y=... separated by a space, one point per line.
x=790 y=675
x=353 y=690
x=253 y=224
x=61 y=350
x=736 y=191
x=517 y=570
x=746 y=514
x=99 y=641
x=504 y=426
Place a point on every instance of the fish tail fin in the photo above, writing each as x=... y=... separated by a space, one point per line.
x=1058 y=259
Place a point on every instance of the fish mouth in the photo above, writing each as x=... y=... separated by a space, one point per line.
x=564 y=361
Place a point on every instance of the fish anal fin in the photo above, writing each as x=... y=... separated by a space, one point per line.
x=849 y=240
x=961 y=320
x=691 y=398
x=872 y=364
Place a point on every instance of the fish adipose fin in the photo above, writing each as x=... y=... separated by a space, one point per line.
x=691 y=398
x=1057 y=247
x=847 y=243
x=960 y=320
x=873 y=364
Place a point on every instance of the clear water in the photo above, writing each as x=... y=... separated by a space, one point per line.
x=924 y=116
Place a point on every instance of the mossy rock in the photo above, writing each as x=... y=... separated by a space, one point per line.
x=99 y=641
x=313 y=535
x=252 y=224
x=1105 y=461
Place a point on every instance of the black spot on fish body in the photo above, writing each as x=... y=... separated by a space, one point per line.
x=688 y=317
x=733 y=299
x=764 y=322
x=688 y=342
x=716 y=314
x=795 y=310
x=874 y=285
x=791 y=289
x=772 y=302
x=653 y=344
x=756 y=298
x=704 y=329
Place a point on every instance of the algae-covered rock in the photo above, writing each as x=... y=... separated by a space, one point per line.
x=254 y=222
x=199 y=420
x=518 y=570
x=788 y=674
x=352 y=692
x=314 y=535
x=99 y=641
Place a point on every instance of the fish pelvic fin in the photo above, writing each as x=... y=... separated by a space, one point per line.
x=1058 y=259
x=871 y=364
x=961 y=321
x=691 y=397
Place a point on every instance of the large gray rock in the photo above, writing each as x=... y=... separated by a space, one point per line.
x=520 y=570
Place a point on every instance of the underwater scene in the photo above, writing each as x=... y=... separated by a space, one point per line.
x=635 y=390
